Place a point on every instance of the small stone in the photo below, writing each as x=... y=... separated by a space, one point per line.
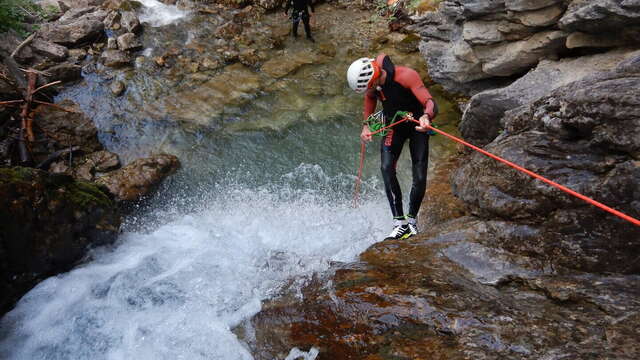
x=112 y=44
x=130 y=22
x=115 y=58
x=159 y=60
x=77 y=54
x=117 y=88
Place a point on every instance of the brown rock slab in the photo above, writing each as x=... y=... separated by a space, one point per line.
x=138 y=178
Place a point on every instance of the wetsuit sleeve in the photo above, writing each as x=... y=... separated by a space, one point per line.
x=370 y=102
x=410 y=79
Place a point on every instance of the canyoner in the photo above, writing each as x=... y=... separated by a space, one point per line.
x=399 y=89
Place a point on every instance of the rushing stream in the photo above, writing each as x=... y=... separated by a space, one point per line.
x=255 y=208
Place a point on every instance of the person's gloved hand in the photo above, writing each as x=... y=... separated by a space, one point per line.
x=365 y=135
x=424 y=122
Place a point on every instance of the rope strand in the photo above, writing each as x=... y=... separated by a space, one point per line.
x=513 y=165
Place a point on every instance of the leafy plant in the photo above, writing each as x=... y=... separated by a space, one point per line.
x=14 y=14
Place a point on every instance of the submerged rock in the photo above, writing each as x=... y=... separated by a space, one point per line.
x=47 y=222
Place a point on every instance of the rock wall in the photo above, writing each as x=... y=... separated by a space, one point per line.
x=586 y=136
x=473 y=46
x=47 y=222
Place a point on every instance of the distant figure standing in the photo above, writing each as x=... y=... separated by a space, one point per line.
x=300 y=11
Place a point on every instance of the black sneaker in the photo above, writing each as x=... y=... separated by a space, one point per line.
x=412 y=229
x=311 y=39
x=399 y=232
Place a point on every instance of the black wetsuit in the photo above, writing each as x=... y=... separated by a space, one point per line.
x=300 y=12
x=395 y=97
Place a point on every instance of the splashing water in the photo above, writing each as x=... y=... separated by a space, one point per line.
x=156 y=13
x=176 y=291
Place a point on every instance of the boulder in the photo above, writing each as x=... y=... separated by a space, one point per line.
x=68 y=129
x=72 y=34
x=139 y=177
x=47 y=223
x=481 y=120
x=64 y=72
x=49 y=50
x=586 y=136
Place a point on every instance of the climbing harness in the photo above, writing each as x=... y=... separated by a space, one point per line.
x=409 y=117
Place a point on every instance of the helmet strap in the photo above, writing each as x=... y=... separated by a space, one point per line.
x=376 y=73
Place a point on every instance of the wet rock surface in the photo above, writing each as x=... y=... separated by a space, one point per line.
x=47 y=222
x=445 y=296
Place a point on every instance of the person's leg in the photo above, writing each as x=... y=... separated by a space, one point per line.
x=390 y=149
x=295 y=21
x=307 y=27
x=419 y=148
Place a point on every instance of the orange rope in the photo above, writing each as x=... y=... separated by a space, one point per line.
x=528 y=172
x=356 y=193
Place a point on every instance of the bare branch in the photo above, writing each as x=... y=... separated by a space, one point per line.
x=47 y=85
x=23 y=44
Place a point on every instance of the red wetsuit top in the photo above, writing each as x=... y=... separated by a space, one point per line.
x=403 y=90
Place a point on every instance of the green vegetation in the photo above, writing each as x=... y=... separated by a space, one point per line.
x=14 y=14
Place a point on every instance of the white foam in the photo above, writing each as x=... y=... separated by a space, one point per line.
x=156 y=13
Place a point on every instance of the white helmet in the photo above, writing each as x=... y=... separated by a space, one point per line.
x=360 y=74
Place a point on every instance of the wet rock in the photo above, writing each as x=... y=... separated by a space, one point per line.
x=585 y=136
x=425 y=299
x=47 y=222
x=130 y=22
x=64 y=72
x=115 y=58
x=69 y=129
x=117 y=88
x=481 y=121
x=129 y=42
x=49 y=50
x=139 y=177
x=72 y=34
x=87 y=167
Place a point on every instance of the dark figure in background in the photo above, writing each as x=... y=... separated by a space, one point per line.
x=300 y=12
